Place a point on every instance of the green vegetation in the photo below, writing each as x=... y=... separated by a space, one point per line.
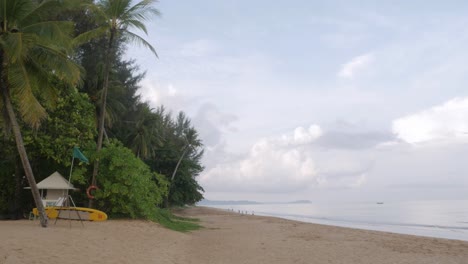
x=34 y=55
x=177 y=223
x=128 y=187
x=64 y=83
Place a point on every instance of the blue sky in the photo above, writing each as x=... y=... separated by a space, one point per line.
x=337 y=100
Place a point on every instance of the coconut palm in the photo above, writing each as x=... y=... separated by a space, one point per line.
x=143 y=136
x=34 y=53
x=186 y=137
x=189 y=136
x=116 y=18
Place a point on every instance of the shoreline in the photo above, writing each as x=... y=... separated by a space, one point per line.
x=402 y=229
x=325 y=225
x=226 y=237
x=455 y=230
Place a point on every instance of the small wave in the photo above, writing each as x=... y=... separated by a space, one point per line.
x=367 y=223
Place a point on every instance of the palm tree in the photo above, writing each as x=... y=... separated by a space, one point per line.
x=34 y=52
x=186 y=137
x=189 y=136
x=116 y=18
x=143 y=136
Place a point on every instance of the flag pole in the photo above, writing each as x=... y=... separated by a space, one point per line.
x=71 y=169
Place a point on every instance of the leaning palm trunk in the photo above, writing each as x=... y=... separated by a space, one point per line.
x=117 y=16
x=20 y=145
x=102 y=113
x=171 y=184
x=178 y=164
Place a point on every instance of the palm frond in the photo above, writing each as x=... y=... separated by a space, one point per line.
x=14 y=46
x=13 y=11
x=58 y=62
x=115 y=9
x=90 y=35
x=30 y=109
x=39 y=12
x=45 y=87
x=99 y=15
x=54 y=32
x=136 y=24
x=143 y=10
x=140 y=41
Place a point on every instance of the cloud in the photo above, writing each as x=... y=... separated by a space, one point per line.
x=211 y=123
x=268 y=167
x=289 y=163
x=302 y=135
x=424 y=167
x=198 y=48
x=359 y=63
x=350 y=159
x=353 y=140
x=447 y=121
x=343 y=168
x=213 y=126
x=277 y=164
x=167 y=94
x=171 y=90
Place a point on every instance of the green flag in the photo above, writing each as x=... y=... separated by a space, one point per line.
x=77 y=154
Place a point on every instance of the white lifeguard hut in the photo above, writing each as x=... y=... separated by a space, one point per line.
x=53 y=189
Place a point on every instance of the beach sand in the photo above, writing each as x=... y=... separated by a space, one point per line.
x=226 y=238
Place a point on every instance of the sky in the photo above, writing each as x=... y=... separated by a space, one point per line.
x=318 y=100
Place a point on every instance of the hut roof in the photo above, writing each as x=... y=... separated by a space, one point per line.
x=55 y=181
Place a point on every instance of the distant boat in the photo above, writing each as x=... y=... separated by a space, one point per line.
x=379 y=202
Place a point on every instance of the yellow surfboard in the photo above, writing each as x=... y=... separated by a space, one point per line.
x=73 y=213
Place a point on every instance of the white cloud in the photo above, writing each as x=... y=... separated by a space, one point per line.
x=425 y=170
x=302 y=135
x=272 y=165
x=172 y=96
x=267 y=167
x=443 y=122
x=288 y=163
x=359 y=63
x=303 y=161
x=198 y=48
x=213 y=125
x=278 y=164
x=361 y=180
x=158 y=94
x=171 y=90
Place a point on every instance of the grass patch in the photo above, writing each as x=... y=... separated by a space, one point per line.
x=177 y=223
x=186 y=219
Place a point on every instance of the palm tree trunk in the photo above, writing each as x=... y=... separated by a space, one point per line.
x=102 y=113
x=19 y=142
x=171 y=184
x=18 y=188
x=178 y=163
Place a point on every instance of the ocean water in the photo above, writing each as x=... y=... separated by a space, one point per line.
x=442 y=219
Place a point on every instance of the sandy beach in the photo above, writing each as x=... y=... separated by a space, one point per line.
x=226 y=238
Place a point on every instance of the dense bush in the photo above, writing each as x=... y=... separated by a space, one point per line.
x=127 y=186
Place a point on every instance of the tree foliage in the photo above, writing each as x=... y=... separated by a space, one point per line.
x=127 y=186
x=149 y=158
x=34 y=51
x=70 y=123
x=115 y=18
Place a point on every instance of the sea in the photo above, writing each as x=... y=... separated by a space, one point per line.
x=442 y=218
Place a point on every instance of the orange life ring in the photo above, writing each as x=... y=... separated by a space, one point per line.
x=88 y=191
